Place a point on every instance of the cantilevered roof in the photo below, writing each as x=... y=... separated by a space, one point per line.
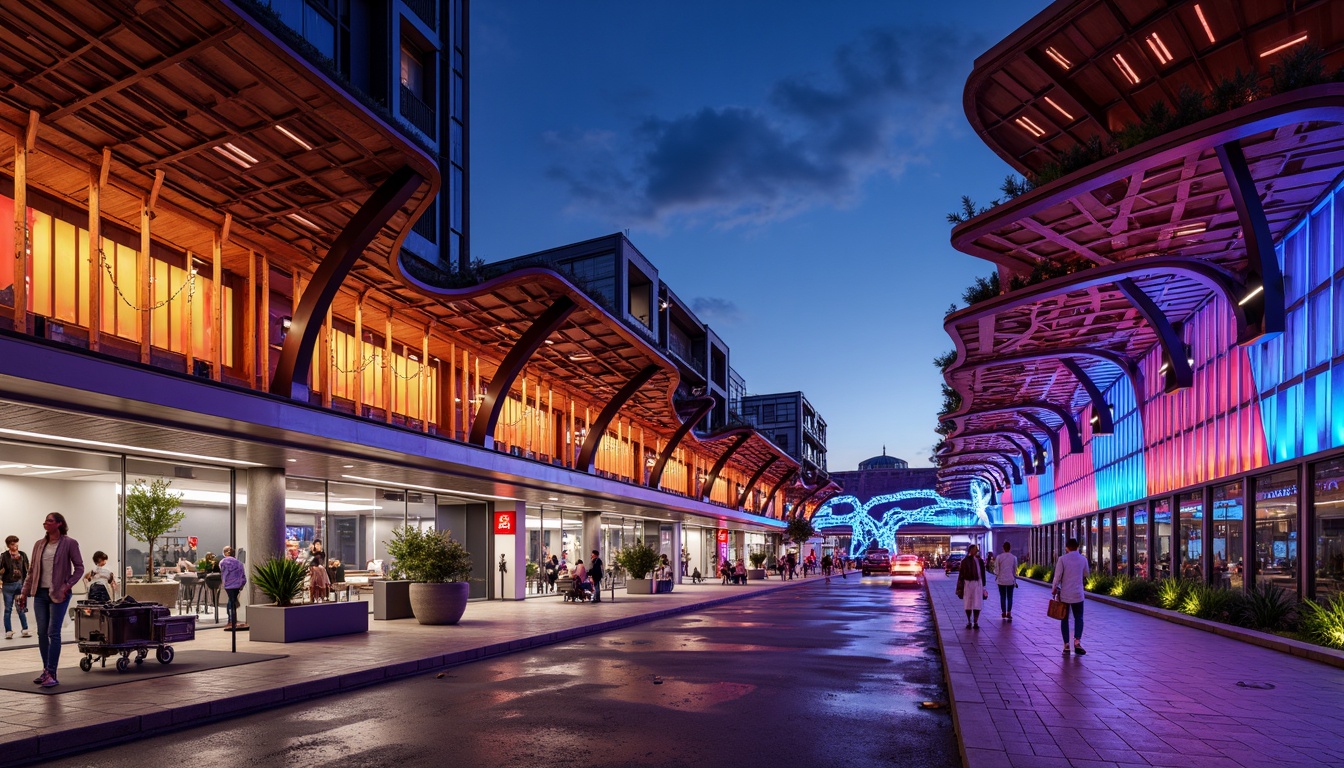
x=236 y=121
x=1084 y=68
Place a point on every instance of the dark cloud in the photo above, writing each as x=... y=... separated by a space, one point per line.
x=713 y=310
x=884 y=99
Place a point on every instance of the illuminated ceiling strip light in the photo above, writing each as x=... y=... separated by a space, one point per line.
x=429 y=488
x=1193 y=229
x=1302 y=38
x=1058 y=57
x=127 y=448
x=1125 y=69
x=1159 y=49
x=46 y=472
x=304 y=222
x=236 y=160
x=1058 y=108
x=1204 y=23
x=293 y=137
x=1255 y=292
x=1030 y=127
x=234 y=148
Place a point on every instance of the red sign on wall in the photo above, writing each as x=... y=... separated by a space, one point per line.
x=506 y=522
x=723 y=535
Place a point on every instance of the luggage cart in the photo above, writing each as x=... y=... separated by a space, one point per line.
x=127 y=628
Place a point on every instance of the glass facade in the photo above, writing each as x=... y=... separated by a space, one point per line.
x=1106 y=563
x=1141 y=568
x=1122 y=541
x=1161 y=538
x=1190 y=536
x=1328 y=477
x=1276 y=530
x=1228 y=529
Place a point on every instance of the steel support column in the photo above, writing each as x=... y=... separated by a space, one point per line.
x=702 y=406
x=1263 y=303
x=1178 y=374
x=788 y=477
x=755 y=478
x=487 y=416
x=598 y=428
x=708 y=487
x=296 y=356
x=1101 y=411
x=1012 y=465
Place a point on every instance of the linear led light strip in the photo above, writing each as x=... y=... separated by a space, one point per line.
x=1058 y=108
x=429 y=488
x=1058 y=57
x=1204 y=23
x=1030 y=127
x=1193 y=229
x=1302 y=38
x=1159 y=49
x=127 y=448
x=1125 y=69
x=232 y=152
x=293 y=137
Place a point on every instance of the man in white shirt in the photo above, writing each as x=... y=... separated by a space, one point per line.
x=1005 y=576
x=1070 y=574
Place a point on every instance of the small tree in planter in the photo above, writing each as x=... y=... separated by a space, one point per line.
x=799 y=530
x=151 y=511
x=438 y=567
x=280 y=579
x=638 y=560
x=757 y=559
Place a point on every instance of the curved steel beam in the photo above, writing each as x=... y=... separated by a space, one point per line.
x=702 y=406
x=598 y=429
x=1031 y=461
x=1177 y=372
x=1070 y=423
x=1012 y=465
x=1050 y=434
x=1101 y=410
x=708 y=488
x=822 y=500
x=1264 y=300
x=1130 y=368
x=483 y=427
x=296 y=356
x=986 y=465
x=972 y=471
x=756 y=478
x=788 y=476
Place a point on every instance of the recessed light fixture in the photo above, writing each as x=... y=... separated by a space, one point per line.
x=123 y=447
x=1027 y=125
x=1193 y=229
x=305 y=222
x=580 y=357
x=234 y=148
x=291 y=460
x=1159 y=48
x=1058 y=57
x=554 y=498
x=234 y=157
x=293 y=137
x=1302 y=38
x=1203 y=22
x=1058 y=108
x=1125 y=69
x=348 y=466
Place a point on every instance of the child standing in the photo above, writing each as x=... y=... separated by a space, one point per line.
x=101 y=580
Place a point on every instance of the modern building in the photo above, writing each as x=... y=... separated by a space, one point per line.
x=789 y=420
x=213 y=278
x=1159 y=377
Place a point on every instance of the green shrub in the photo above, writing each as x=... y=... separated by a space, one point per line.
x=427 y=555
x=1049 y=575
x=1118 y=585
x=280 y=579
x=1171 y=592
x=1324 y=622
x=1214 y=603
x=1268 y=607
x=1138 y=591
x=1024 y=569
x=1099 y=583
x=757 y=559
x=638 y=559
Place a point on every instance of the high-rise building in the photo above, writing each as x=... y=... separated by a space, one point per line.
x=789 y=419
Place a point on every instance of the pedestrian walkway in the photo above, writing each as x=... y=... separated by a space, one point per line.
x=35 y=726
x=1148 y=692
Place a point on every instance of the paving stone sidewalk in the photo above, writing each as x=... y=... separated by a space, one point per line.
x=34 y=727
x=1148 y=692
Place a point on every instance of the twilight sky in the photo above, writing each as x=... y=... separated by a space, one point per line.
x=786 y=166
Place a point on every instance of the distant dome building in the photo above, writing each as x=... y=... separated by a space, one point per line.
x=883 y=462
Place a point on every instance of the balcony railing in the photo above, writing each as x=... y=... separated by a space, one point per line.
x=420 y=114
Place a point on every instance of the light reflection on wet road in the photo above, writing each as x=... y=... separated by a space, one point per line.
x=817 y=675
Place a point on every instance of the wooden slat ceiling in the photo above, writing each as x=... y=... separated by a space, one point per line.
x=1067 y=55
x=194 y=89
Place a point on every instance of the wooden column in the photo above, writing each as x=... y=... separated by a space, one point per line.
x=22 y=147
x=250 y=322
x=423 y=378
x=358 y=363
x=144 y=264
x=217 y=302
x=324 y=372
x=388 y=398
x=263 y=380
x=297 y=282
x=188 y=321
x=453 y=397
x=97 y=181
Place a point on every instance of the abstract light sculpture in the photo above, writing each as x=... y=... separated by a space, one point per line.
x=870 y=528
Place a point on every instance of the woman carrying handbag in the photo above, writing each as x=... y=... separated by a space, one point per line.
x=971 y=586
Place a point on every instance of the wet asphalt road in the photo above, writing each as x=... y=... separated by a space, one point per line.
x=820 y=675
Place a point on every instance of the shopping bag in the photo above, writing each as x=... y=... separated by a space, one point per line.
x=1057 y=610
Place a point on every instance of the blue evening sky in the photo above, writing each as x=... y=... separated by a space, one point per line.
x=786 y=166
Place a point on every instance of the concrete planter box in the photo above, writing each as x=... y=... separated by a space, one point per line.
x=756 y=574
x=639 y=586
x=292 y=623
x=392 y=600
x=439 y=603
x=161 y=592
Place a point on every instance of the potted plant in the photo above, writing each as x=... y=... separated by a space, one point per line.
x=284 y=621
x=638 y=560
x=151 y=511
x=438 y=567
x=757 y=570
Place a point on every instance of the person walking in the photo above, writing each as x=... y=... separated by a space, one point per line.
x=971 y=586
x=234 y=578
x=56 y=567
x=1005 y=576
x=1070 y=575
x=826 y=567
x=597 y=576
x=13 y=570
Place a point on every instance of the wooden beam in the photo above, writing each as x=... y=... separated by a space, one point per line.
x=423 y=379
x=154 y=190
x=30 y=136
x=358 y=363
x=217 y=300
x=20 y=236
x=144 y=296
x=263 y=380
x=95 y=318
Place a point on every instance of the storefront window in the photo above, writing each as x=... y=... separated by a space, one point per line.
x=1093 y=541
x=1105 y=549
x=1276 y=530
x=1329 y=479
x=1227 y=533
x=1191 y=549
x=543 y=544
x=361 y=522
x=1122 y=541
x=1141 y=568
x=1162 y=538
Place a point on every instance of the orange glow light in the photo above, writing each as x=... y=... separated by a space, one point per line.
x=1032 y=128
x=1060 y=109
x=1204 y=23
x=1125 y=69
x=1302 y=38
x=1159 y=48
x=1058 y=57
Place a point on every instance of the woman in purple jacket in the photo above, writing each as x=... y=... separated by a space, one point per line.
x=54 y=570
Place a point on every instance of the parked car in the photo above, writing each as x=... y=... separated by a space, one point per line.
x=907 y=569
x=877 y=560
x=953 y=562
